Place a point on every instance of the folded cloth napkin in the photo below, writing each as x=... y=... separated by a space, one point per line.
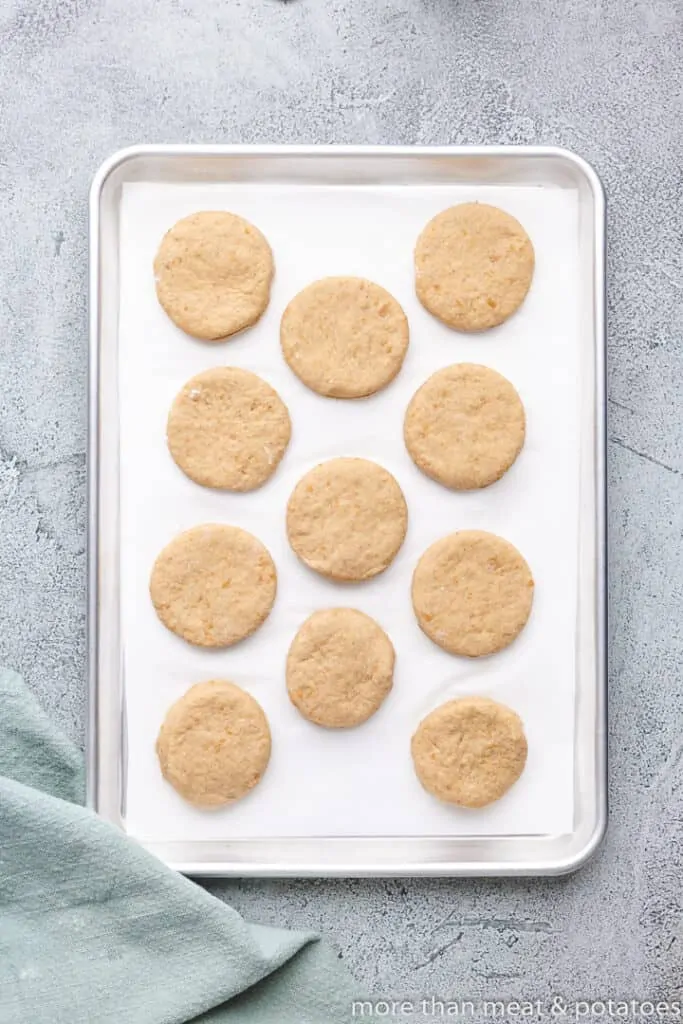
x=94 y=930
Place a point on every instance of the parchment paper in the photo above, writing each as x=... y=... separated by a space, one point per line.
x=361 y=781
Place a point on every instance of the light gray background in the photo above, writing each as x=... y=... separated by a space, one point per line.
x=81 y=78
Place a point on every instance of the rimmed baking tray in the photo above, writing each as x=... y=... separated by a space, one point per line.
x=315 y=183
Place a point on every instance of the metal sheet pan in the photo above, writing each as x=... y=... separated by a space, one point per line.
x=106 y=749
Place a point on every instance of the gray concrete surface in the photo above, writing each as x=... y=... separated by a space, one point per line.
x=81 y=78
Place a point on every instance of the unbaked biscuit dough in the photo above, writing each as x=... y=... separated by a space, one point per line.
x=228 y=429
x=347 y=519
x=465 y=426
x=213 y=585
x=340 y=667
x=472 y=593
x=469 y=751
x=344 y=337
x=473 y=266
x=213 y=273
x=214 y=744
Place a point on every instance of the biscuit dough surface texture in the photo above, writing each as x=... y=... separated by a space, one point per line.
x=469 y=751
x=228 y=429
x=344 y=337
x=465 y=426
x=347 y=519
x=473 y=266
x=472 y=593
x=214 y=744
x=213 y=273
x=340 y=667
x=213 y=585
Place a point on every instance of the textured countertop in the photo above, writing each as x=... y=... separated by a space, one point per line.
x=81 y=78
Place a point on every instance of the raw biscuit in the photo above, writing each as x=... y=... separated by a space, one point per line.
x=344 y=337
x=347 y=518
x=213 y=273
x=472 y=593
x=469 y=751
x=228 y=429
x=465 y=426
x=214 y=744
x=340 y=667
x=473 y=266
x=213 y=585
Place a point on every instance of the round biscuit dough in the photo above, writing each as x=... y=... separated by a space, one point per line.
x=228 y=429
x=344 y=337
x=213 y=585
x=465 y=426
x=213 y=273
x=472 y=593
x=214 y=744
x=473 y=266
x=340 y=668
x=347 y=519
x=470 y=751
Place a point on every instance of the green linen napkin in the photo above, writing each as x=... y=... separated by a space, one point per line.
x=94 y=930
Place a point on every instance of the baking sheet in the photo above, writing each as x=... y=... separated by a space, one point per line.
x=357 y=782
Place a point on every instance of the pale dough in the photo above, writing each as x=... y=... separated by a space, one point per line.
x=340 y=667
x=213 y=273
x=473 y=266
x=472 y=593
x=344 y=337
x=465 y=426
x=213 y=585
x=228 y=429
x=347 y=519
x=469 y=751
x=214 y=744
